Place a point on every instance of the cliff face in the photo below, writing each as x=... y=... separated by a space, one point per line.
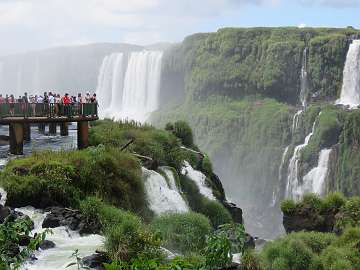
x=239 y=88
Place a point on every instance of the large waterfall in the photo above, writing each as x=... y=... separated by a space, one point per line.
x=128 y=86
x=350 y=92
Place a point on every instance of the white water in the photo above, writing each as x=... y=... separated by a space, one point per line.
x=200 y=180
x=66 y=242
x=162 y=197
x=350 y=92
x=295 y=123
x=3 y=196
x=277 y=188
x=314 y=181
x=293 y=183
x=304 y=79
x=129 y=89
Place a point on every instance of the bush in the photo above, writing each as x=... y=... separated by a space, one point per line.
x=250 y=261
x=65 y=177
x=184 y=233
x=334 y=201
x=288 y=206
x=349 y=214
x=217 y=252
x=183 y=131
x=316 y=241
x=313 y=201
x=287 y=253
x=333 y=257
x=216 y=212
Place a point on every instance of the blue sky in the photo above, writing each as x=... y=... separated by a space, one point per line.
x=36 y=24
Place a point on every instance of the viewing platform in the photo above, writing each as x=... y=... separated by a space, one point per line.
x=20 y=116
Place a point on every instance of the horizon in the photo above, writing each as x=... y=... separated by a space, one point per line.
x=35 y=25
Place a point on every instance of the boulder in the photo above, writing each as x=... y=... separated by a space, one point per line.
x=235 y=211
x=4 y=213
x=96 y=261
x=24 y=240
x=46 y=244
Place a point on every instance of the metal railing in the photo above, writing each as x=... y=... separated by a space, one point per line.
x=48 y=110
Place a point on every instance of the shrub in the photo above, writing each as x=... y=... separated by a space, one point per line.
x=334 y=201
x=183 y=131
x=217 y=252
x=332 y=257
x=250 y=261
x=288 y=206
x=184 y=233
x=128 y=238
x=287 y=253
x=316 y=241
x=313 y=201
x=216 y=212
x=349 y=214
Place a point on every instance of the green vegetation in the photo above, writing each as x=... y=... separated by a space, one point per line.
x=64 y=178
x=184 y=233
x=11 y=233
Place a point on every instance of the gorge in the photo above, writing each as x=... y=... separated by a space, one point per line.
x=274 y=109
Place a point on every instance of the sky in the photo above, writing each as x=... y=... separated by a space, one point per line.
x=27 y=25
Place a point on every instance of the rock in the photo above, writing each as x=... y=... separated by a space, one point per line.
x=235 y=211
x=308 y=219
x=22 y=171
x=4 y=213
x=12 y=250
x=249 y=242
x=46 y=244
x=96 y=261
x=70 y=218
x=24 y=240
x=51 y=221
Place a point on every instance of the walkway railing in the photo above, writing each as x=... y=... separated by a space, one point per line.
x=48 y=110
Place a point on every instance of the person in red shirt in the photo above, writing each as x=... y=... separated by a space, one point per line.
x=66 y=103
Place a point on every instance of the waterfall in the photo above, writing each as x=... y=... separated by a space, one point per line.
x=295 y=123
x=110 y=83
x=293 y=183
x=200 y=180
x=161 y=196
x=277 y=188
x=314 y=181
x=350 y=92
x=66 y=242
x=3 y=196
x=129 y=89
x=304 y=79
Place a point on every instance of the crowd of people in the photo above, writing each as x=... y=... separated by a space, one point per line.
x=49 y=103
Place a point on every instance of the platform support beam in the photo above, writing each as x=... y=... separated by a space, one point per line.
x=16 y=138
x=83 y=134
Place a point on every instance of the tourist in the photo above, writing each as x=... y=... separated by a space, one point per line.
x=33 y=104
x=2 y=99
x=66 y=103
x=87 y=98
x=57 y=104
x=93 y=99
x=51 y=104
x=11 y=105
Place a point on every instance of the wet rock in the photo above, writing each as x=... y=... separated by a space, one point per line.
x=22 y=171
x=46 y=244
x=309 y=219
x=4 y=213
x=12 y=250
x=70 y=218
x=96 y=261
x=235 y=211
x=24 y=240
x=249 y=242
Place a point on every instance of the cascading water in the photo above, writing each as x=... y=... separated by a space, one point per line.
x=163 y=196
x=350 y=92
x=304 y=79
x=110 y=84
x=200 y=180
x=293 y=183
x=129 y=89
x=314 y=181
x=66 y=242
x=277 y=188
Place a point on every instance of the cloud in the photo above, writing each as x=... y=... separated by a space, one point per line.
x=332 y=3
